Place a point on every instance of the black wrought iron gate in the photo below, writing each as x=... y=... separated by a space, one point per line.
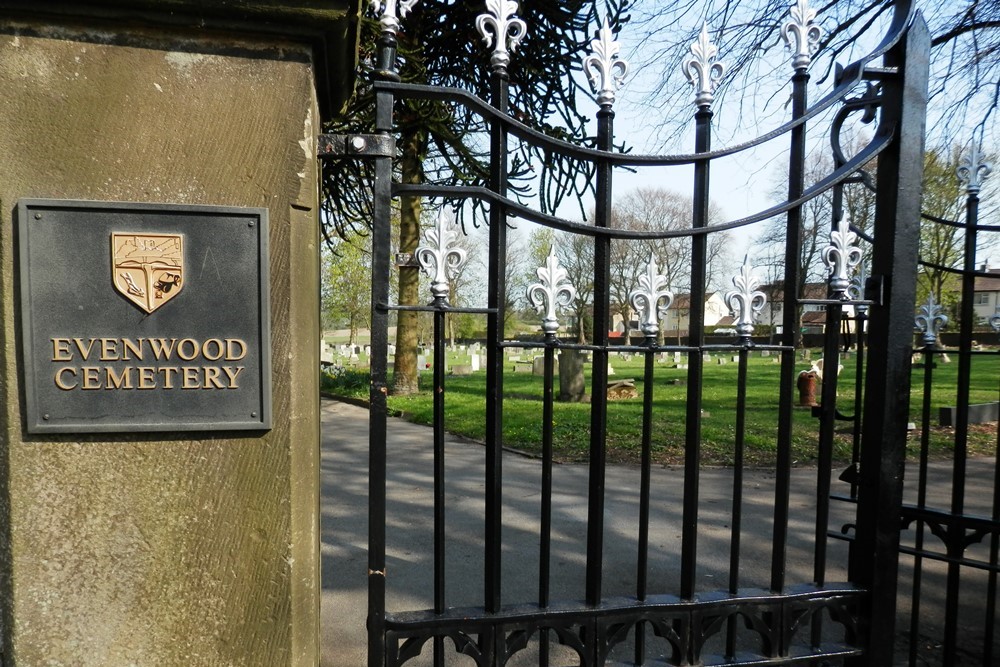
x=790 y=618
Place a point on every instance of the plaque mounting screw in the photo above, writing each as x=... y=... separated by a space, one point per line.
x=45 y=416
x=38 y=216
x=250 y=224
x=253 y=414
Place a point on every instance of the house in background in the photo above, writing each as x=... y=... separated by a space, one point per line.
x=678 y=315
x=813 y=315
x=986 y=297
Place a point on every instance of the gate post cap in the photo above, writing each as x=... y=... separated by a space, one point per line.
x=330 y=27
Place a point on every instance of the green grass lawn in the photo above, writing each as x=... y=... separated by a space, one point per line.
x=465 y=400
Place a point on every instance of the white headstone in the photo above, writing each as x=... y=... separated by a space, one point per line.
x=475 y=363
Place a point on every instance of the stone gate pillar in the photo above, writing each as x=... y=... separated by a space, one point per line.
x=163 y=546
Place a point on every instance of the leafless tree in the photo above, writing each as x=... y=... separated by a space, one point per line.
x=657 y=209
x=965 y=67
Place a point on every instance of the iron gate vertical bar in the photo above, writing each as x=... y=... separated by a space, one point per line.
x=599 y=373
x=925 y=443
x=991 y=585
x=545 y=527
x=381 y=243
x=696 y=340
x=860 y=321
x=737 y=508
x=960 y=453
x=824 y=463
x=439 y=495
x=875 y=558
x=494 y=359
x=789 y=334
x=642 y=560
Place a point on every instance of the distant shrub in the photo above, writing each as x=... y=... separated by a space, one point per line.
x=341 y=381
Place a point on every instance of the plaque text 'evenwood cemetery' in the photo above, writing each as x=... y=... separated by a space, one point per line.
x=141 y=317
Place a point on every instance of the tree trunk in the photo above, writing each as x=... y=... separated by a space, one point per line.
x=404 y=380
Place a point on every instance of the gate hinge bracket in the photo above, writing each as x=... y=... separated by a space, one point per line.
x=875 y=290
x=356 y=145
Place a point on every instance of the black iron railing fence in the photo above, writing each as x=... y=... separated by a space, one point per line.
x=793 y=618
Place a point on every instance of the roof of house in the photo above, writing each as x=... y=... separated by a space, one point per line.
x=985 y=284
x=775 y=292
x=683 y=301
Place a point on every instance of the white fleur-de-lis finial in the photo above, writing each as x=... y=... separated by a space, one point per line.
x=703 y=69
x=930 y=320
x=651 y=299
x=841 y=256
x=554 y=289
x=497 y=27
x=801 y=34
x=995 y=320
x=391 y=12
x=439 y=258
x=746 y=300
x=973 y=170
x=603 y=66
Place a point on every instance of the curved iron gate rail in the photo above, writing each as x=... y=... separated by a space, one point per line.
x=864 y=606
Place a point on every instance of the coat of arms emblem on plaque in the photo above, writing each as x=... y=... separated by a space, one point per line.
x=147 y=269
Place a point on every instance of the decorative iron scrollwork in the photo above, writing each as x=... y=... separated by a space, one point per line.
x=973 y=170
x=805 y=34
x=746 y=300
x=930 y=320
x=703 y=69
x=856 y=290
x=554 y=289
x=497 y=27
x=439 y=259
x=841 y=256
x=391 y=12
x=603 y=66
x=651 y=299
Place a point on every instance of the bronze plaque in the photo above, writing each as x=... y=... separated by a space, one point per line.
x=143 y=317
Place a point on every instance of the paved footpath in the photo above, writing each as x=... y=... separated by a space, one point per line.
x=345 y=525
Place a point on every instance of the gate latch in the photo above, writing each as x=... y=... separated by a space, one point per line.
x=356 y=145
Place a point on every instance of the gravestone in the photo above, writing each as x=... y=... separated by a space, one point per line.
x=461 y=370
x=124 y=542
x=538 y=366
x=979 y=413
x=475 y=362
x=572 y=387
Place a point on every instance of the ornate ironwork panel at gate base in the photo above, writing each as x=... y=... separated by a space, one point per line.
x=812 y=604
